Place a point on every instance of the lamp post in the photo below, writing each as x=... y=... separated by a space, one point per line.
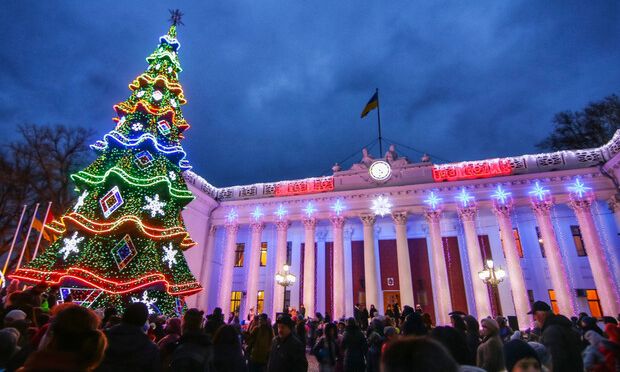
x=285 y=279
x=492 y=275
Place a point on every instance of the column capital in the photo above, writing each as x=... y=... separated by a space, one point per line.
x=614 y=203
x=257 y=227
x=432 y=215
x=309 y=222
x=368 y=219
x=542 y=207
x=282 y=225
x=580 y=204
x=337 y=221
x=502 y=210
x=232 y=227
x=400 y=218
x=467 y=213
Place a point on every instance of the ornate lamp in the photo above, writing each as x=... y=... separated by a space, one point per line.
x=285 y=279
x=492 y=275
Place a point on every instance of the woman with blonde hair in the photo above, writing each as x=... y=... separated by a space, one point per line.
x=490 y=354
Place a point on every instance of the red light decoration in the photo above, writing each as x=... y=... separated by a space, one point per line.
x=307 y=186
x=471 y=170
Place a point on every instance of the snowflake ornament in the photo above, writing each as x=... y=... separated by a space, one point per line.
x=173 y=103
x=381 y=206
x=172 y=175
x=157 y=95
x=136 y=126
x=149 y=302
x=170 y=255
x=154 y=205
x=140 y=94
x=70 y=245
x=80 y=201
x=157 y=66
x=169 y=69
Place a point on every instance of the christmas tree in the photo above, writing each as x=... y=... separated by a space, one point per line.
x=122 y=240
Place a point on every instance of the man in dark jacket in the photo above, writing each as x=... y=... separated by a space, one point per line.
x=558 y=336
x=129 y=348
x=288 y=354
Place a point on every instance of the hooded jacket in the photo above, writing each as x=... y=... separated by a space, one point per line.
x=563 y=343
x=129 y=349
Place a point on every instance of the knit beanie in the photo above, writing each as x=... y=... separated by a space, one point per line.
x=516 y=350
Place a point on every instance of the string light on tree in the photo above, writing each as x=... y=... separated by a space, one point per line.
x=338 y=207
x=71 y=245
x=465 y=198
x=310 y=209
x=433 y=200
x=501 y=195
x=539 y=192
x=149 y=302
x=136 y=126
x=154 y=205
x=80 y=201
x=579 y=188
x=281 y=212
x=381 y=206
x=257 y=213
x=170 y=255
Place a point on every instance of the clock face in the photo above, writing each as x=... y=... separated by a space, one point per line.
x=380 y=170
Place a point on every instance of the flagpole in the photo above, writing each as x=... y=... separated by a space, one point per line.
x=34 y=217
x=8 y=257
x=36 y=248
x=379 y=123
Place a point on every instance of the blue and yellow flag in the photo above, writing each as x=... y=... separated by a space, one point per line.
x=371 y=105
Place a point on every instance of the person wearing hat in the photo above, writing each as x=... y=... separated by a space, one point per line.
x=288 y=353
x=521 y=357
x=559 y=337
x=259 y=344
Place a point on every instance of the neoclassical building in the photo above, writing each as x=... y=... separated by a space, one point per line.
x=392 y=230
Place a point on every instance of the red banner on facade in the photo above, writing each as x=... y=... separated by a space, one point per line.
x=307 y=186
x=471 y=169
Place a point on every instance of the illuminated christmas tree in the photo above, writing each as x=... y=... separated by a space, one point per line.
x=122 y=241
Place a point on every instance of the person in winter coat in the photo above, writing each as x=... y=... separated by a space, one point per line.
x=472 y=335
x=194 y=350
x=259 y=344
x=559 y=337
x=227 y=352
x=519 y=356
x=288 y=353
x=327 y=349
x=129 y=348
x=601 y=354
x=490 y=355
x=354 y=346
x=375 y=338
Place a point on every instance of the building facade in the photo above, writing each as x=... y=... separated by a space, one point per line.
x=390 y=230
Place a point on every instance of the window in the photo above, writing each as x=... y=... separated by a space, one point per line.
x=515 y=232
x=594 y=303
x=289 y=253
x=260 y=302
x=581 y=248
x=530 y=297
x=239 y=254
x=554 y=301
x=263 y=254
x=235 y=302
x=540 y=242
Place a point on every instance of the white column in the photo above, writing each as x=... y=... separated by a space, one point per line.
x=370 y=262
x=442 y=290
x=253 y=266
x=596 y=256
x=348 y=264
x=557 y=269
x=309 y=265
x=278 y=290
x=402 y=254
x=202 y=299
x=338 y=272
x=515 y=272
x=474 y=256
x=228 y=264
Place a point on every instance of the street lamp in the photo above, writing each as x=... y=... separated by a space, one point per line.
x=492 y=275
x=285 y=278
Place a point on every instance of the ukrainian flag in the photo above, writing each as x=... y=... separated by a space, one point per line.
x=372 y=104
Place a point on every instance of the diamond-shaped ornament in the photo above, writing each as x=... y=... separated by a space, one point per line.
x=111 y=201
x=164 y=127
x=123 y=252
x=144 y=159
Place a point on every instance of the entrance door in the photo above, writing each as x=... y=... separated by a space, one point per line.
x=390 y=298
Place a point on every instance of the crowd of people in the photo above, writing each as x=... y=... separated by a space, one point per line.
x=40 y=334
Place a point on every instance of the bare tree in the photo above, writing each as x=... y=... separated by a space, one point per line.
x=592 y=127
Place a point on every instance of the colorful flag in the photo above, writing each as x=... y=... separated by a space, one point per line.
x=47 y=234
x=372 y=104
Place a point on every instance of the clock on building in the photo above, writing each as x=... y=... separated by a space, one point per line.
x=380 y=170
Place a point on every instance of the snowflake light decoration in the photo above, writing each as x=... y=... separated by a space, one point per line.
x=338 y=207
x=232 y=215
x=136 y=126
x=465 y=198
x=169 y=69
x=172 y=175
x=539 y=191
x=157 y=95
x=281 y=211
x=173 y=103
x=140 y=94
x=501 y=195
x=80 y=202
x=149 y=302
x=381 y=206
x=170 y=255
x=257 y=213
x=579 y=188
x=154 y=205
x=310 y=209
x=433 y=200
x=70 y=245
